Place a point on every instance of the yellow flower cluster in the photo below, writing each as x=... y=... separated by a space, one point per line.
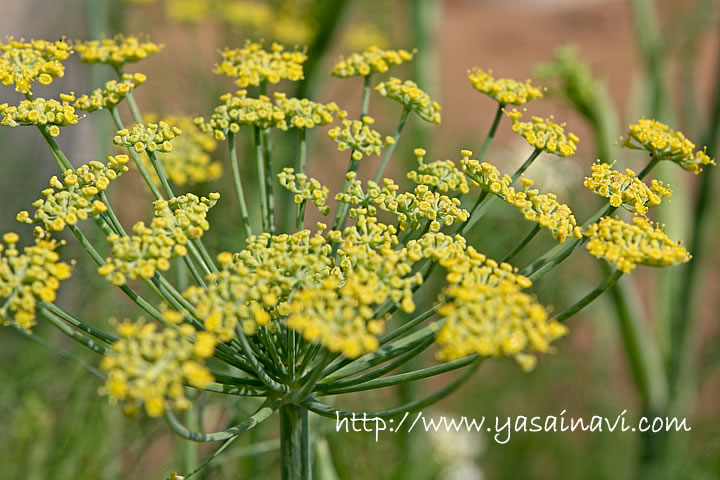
x=441 y=175
x=22 y=63
x=238 y=110
x=625 y=189
x=305 y=188
x=150 y=367
x=413 y=209
x=73 y=198
x=113 y=93
x=251 y=65
x=26 y=278
x=189 y=162
x=628 y=245
x=505 y=91
x=544 y=134
x=358 y=136
x=486 y=312
x=116 y=51
x=304 y=113
x=150 y=137
x=372 y=60
x=41 y=112
x=151 y=248
x=411 y=97
x=544 y=209
x=664 y=143
x=288 y=21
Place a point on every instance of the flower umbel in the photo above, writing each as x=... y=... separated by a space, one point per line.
x=358 y=136
x=628 y=245
x=544 y=134
x=505 y=91
x=116 y=51
x=23 y=63
x=150 y=137
x=305 y=188
x=411 y=97
x=238 y=110
x=113 y=93
x=252 y=65
x=372 y=60
x=41 y=112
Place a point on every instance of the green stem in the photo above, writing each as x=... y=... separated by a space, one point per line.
x=268 y=179
x=583 y=302
x=57 y=153
x=134 y=110
x=523 y=243
x=367 y=89
x=74 y=334
x=162 y=175
x=527 y=163
x=491 y=133
x=294 y=443
x=300 y=168
x=391 y=148
x=262 y=184
x=238 y=185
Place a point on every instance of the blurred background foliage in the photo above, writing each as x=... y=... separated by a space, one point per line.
x=629 y=58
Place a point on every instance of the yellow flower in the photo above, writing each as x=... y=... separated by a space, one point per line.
x=304 y=113
x=116 y=51
x=666 y=144
x=27 y=277
x=372 y=60
x=544 y=134
x=113 y=93
x=627 y=245
x=40 y=112
x=441 y=175
x=23 y=63
x=357 y=136
x=504 y=90
x=150 y=137
x=238 y=110
x=411 y=97
x=74 y=198
x=151 y=367
x=252 y=65
x=151 y=248
x=625 y=189
x=305 y=188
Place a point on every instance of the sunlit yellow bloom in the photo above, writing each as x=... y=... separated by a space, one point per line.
x=41 y=112
x=238 y=110
x=627 y=245
x=625 y=189
x=304 y=113
x=149 y=137
x=666 y=144
x=189 y=162
x=151 y=366
x=26 y=278
x=372 y=60
x=411 y=97
x=505 y=91
x=358 y=136
x=151 y=248
x=441 y=175
x=74 y=198
x=116 y=51
x=544 y=134
x=113 y=93
x=305 y=189
x=23 y=63
x=251 y=65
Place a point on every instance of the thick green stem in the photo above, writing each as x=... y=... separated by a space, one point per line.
x=583 y=302
x=391 y=148
x=523 y=243
x=262 y=184
x=162 y=175
x=294 y=443
x=238 y=185
x=491 y=133
x=58 y=154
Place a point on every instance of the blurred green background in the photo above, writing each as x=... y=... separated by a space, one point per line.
x=56 y=426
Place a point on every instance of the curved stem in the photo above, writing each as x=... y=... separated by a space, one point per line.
x=255 y=364
x=74 y=334
x=523 y=243
x=391 y=148
x=57 y=153
x=583 y=302
x=535 y=153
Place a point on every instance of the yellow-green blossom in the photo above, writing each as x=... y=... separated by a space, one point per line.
x=372 y=60
x=411 y=97
x=505 y=91
x=238 y=110
x=625 y=189
x=150 y=366
x=23 y=63
x=189 y=162
x=251 y=65
x=113 y=93
x=74 y=198
x=305 y=189
x=627 y=245
x=116 y=51
x=542 y=208
x=150 y=137
x=151 y=248
x=358 y=136
x=441 y=175
x=41 y=112
x=666 y=144
x=422 y=205
x=26 y=278
x=304 y=113
x=544 y=134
